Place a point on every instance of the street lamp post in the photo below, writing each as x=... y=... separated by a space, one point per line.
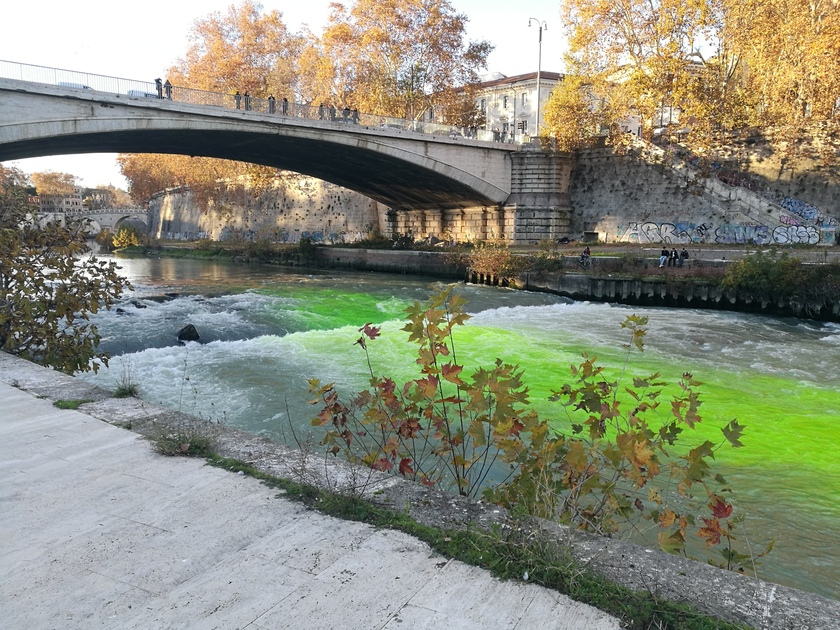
x=542 y=26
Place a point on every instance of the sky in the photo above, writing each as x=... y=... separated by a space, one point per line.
x=140 y=40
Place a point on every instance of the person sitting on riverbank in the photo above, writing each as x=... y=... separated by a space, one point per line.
x=584 y=257
x=673 y=257
x=663 y=257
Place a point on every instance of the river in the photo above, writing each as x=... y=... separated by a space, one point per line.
x=265 y=330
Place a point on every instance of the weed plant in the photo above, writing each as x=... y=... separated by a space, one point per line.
x=599 y=466
x=71 y=404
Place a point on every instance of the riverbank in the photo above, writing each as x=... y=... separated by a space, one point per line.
x=202 y=594
x=620 y=273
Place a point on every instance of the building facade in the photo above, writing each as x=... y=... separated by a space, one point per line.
x=61 y=204
x=509 y=104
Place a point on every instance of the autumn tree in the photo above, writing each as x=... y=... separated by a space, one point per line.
x=126 y=237
x=398 y=58
x=106 y=197
x=792 y=52
x=49 y=285
x=52 y=183
x=582 y=110
x=244 y=49
x=721 y=65
x=150 y=173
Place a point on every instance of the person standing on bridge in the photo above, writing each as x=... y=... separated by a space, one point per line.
x=168 y=89
x=247 y=101
x=284 y=106
x=272 y=105
x=237 y=98
x=321 y=111
x=159 y=88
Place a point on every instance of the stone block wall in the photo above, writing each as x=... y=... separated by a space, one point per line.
x=540 y=200
x=295 y=206
x=650 y=196
x=460 y=224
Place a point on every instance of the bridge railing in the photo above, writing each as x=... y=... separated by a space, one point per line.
x=158 y=90
x=74 y=79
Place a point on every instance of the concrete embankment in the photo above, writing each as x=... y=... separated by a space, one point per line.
x=100 y=532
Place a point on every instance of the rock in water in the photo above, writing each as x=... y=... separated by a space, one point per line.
x=188 y=333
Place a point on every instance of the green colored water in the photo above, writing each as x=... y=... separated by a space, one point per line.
x=265 y=332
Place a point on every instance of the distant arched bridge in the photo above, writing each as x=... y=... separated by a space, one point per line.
x=402 y=169
x=114 y=218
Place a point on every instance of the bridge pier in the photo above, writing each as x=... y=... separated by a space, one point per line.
x=539 y=199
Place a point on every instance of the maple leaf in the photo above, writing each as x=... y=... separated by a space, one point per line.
x=450 y=372
x=382 y=464
x=667 y=518
x=711 y=532
x=732 y=433
x=720 y=509
x=405 y=466
x=370 y=331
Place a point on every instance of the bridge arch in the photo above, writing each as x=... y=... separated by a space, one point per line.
x=131 y=220
x=406 y=172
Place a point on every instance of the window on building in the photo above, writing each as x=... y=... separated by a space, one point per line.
x=483 y=105
x=505 y=101
x=524 y=98
x=524 y=125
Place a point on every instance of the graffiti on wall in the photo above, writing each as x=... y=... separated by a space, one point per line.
x=730 y=233
x=807 y=212
x=676 y=233
x=805 y=234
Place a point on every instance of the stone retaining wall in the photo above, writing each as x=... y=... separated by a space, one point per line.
x=683 y=293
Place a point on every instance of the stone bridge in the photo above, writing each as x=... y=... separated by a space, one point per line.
x=113 y=218
x=521 y=187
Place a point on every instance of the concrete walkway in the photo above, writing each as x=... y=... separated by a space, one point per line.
x=98 y=531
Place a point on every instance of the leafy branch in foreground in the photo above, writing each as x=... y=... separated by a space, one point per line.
x=613 y=462
x=48 y=286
